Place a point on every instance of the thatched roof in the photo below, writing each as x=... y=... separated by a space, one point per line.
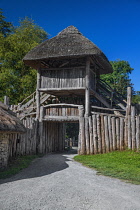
x=68 y=43
x=9 y=122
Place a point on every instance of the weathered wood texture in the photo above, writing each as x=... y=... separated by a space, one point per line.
x=51 y=138
x=63 y=78
x=107 y=133
x=98 y=133
x=61 y=112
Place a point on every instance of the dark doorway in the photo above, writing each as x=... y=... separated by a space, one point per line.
x=72 y=134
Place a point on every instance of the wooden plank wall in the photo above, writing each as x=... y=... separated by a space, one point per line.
x=49 y=138
x=108 y=133
x=63 y=78
x=52 y=137
x=61 y=111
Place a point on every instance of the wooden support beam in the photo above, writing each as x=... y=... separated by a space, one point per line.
x=129 y=100
x=61 y=105
x=82 y=131
x=61 y=89
x=103 y=108
x=87 y=90
x=101 y=99
x=61 y=118
x=127 y=118
x=41 y=113
x=38 y=94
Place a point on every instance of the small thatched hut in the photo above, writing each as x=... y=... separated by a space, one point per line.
x=9 y=124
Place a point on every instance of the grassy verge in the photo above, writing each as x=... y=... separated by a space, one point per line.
x=17 y=165
x=123 y=165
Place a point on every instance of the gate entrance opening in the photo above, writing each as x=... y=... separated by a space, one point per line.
x=72 y=136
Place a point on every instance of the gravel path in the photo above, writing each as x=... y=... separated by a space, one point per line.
x=56 y=182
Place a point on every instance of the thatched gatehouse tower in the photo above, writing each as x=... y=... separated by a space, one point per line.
x=68 y=65
x=10 y=126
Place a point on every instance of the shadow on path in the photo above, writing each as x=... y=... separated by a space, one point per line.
x=43 y=166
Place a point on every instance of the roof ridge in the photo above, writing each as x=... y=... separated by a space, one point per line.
x=69 y=30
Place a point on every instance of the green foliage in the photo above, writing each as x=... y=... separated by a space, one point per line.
x=119 y=79
x=123 y=165
x=72 y=130
x=17 y=80
x=5 y=27
x=136 y=97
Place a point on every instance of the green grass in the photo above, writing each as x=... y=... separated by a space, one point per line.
x=16 y=165
x=123 y=165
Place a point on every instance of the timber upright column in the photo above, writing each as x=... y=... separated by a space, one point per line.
x=87 y=106
x=81 y=143
x=128 y=119
x=38 y=110
x=38 y=94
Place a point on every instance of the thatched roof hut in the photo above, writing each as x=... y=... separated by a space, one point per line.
x=9 y=123
x=69 y=43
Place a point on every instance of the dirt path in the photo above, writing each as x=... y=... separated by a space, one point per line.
x=56 y=182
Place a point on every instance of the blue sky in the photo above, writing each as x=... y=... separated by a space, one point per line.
x=113 y=25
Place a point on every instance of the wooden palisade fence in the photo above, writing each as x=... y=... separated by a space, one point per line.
x=100 y=132
x=106 y=132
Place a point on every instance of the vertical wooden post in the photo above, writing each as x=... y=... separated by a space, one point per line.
x=110 y=133
x=118 y=133
x=95 y=137
x=82 y=130
x=103 y=133
x=133 y=127
x=91 y=135
x=128 y=112
x=129 y=133
x=106 y=133
x=41 y=113
x=113 y=133
x=87 y=135
x=129 y=100
x=87 y=106
x=121 y=133
x=138 y=133
x=99 y=134
x=87 y=91
x=38 y=94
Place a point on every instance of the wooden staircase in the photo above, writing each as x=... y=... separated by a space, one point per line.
x=109 y=95
x=28 y=106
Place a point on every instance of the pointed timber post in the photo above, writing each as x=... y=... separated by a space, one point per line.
x=87 y=106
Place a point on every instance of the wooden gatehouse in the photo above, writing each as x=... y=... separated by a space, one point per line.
x=69 y=89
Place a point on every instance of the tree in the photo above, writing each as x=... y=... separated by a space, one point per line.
x=17 y=80
x=136 y=97
x=5 y=27
x=119 y=79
